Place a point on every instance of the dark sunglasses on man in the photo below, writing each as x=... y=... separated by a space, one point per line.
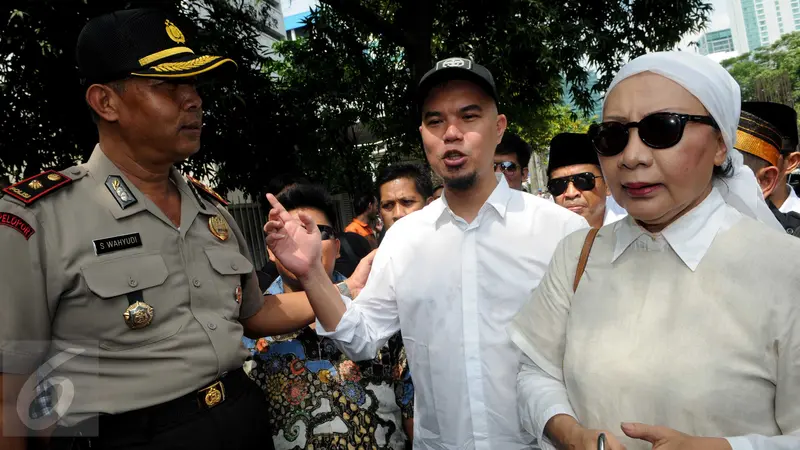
x=505 y=166
x=583 y=182
x=658 y=131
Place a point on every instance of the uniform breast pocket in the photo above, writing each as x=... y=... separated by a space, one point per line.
x=117 y=284
x=231 y=269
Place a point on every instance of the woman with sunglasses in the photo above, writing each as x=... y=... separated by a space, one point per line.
x=682 y=331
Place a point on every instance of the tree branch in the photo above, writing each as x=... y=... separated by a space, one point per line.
x=378 y=25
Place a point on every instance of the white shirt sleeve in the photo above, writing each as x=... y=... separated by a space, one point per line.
x=540 y=398
x=372 y=318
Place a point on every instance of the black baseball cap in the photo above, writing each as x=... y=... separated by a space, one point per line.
x=456 y=69
x=141 y=43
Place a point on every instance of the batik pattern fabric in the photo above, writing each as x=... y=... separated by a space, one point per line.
x=320 y=399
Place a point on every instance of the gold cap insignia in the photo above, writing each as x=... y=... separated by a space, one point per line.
x=35 y=184
x=174 y=33
x=219 y=227
x=138 y=315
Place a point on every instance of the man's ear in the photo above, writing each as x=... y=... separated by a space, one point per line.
x=768 y=179
x=525 y=172
x=502 y=123
x=792 y=161
x=104 y=101
x=338 y=248
x=428 y=200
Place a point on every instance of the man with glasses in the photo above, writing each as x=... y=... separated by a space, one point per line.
x=576 y=182
x=511 y=159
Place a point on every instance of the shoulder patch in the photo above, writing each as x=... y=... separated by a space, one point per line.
x=203 y=189
x=31 y=189
x=17 y=223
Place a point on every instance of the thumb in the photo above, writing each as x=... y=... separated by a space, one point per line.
x=308 y=222
x=649 y=433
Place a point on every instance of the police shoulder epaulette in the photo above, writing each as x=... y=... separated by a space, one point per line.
x=31 y=189
x=203 y=189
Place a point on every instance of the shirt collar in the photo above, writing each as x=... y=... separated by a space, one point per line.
x=498 y=200
x=690 y=236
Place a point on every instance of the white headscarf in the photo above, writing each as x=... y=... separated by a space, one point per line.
x=719 y=93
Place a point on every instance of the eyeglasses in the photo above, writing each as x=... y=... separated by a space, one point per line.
x=582 y=181
x=659 y=130
x=327 y=232
x=505 y=166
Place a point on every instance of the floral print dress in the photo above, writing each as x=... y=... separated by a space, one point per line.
x=319 y=399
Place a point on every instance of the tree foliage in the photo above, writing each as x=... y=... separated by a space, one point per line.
x=769 y=73
x=348 y=82
x=365 y=56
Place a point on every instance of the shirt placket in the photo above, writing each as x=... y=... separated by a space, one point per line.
x=471 y=330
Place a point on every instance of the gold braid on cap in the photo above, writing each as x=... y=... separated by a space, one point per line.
x=758 y=138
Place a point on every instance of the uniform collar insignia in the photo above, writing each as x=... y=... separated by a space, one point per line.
x=122 y=194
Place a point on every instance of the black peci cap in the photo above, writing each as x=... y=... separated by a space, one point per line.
x=782 y=117
x=140 y=43
x=456 y=69
x=569 y=149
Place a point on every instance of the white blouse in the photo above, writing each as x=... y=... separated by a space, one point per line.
x=696 y=328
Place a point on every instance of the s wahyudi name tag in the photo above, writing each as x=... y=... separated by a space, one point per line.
x=116 y=243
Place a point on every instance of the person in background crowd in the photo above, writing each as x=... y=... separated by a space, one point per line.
x=437 y=191
x=366 y=210
x=683 y=332
x=402 y=189
x=267 y=274
x=511 y=157
x=575 y=180
x=783 y=196
x=317 y=397
x=450 y=276
x=760 y=137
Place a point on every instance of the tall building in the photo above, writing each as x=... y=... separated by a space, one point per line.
x=720 y=41
x=757 y=23
x=294 y=12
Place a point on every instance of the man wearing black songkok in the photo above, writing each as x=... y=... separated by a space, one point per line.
x=575 y=179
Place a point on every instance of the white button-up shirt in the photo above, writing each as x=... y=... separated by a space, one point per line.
x=792 y=202
x=452 y=287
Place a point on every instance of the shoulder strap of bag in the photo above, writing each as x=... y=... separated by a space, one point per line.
x=587 y=247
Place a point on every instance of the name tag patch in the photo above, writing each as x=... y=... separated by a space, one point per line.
x=116 y=243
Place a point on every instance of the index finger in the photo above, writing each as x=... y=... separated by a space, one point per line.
x=282 y=213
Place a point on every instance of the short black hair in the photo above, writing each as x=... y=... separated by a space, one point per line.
x=514 y=145
x=311 y=196
x=278 y=183
x=754 y=162
x=362 y=203
x=413 y=171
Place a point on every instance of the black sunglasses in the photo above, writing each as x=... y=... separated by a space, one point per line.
x=327 y=232
x=659 y=130
x=583 y=182
x=505 y=166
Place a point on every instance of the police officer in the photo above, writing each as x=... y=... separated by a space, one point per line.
x=765 y=130
x=128 y=280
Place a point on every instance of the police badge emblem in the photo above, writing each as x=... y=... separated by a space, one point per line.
x=219 y=227
x=138 y=315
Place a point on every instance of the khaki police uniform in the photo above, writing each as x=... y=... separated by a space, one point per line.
x=81 y=247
